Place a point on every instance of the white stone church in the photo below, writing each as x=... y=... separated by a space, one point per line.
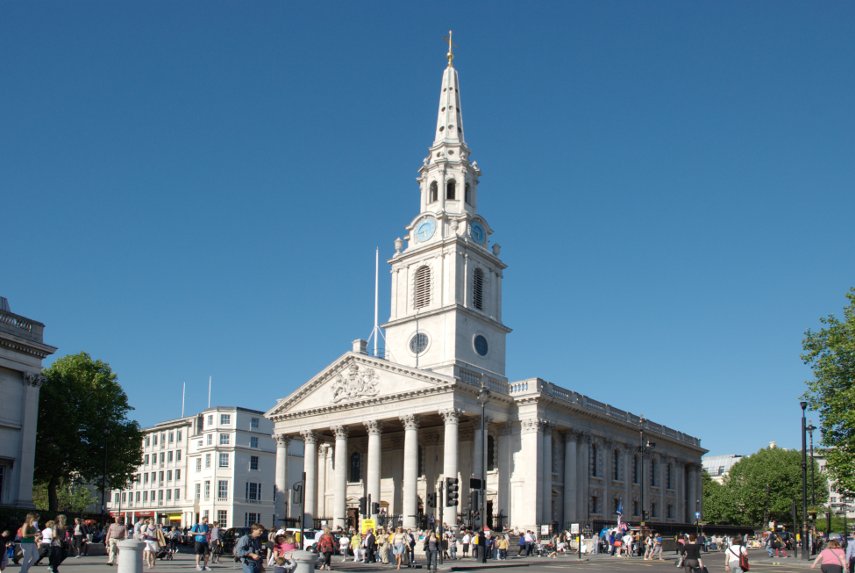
x=393 y=428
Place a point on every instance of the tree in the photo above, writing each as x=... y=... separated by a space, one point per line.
x=718 y=506
x=763 y=486
x=71 y=497
x=84 y=433
x=830 y=352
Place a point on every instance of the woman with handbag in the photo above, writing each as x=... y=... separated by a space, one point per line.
x=692 y=552
x=736 y=556
x=832 y=559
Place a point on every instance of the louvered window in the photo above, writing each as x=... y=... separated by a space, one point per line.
x=467 y=194
x=421 y=292
x=451 y=189
x=478 y=289
x=434 y=193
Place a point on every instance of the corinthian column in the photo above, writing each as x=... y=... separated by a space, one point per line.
x=546 y=511
x=449 y=462
x=340 y=491
x=570 y=479
x=373 y=473
x=411 y=469
x=310 y=466
x=281 y=478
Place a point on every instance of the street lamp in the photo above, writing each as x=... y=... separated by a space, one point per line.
x=805 y=549
x=643 y=447
x=483 y=397
x=810 y=428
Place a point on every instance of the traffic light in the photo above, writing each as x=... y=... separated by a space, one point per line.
x=363 y=506
x=431 y=500
x=473 y=500
x=452 y=491
x=375 y=508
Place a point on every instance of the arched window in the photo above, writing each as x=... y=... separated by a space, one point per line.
x=478 y=289
x=491 y=453
x=451 y=189
x=421 y=290
x=467 y=194
x=434 y=192
x=355 y=467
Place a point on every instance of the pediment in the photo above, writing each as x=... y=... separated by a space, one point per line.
x=356 y=379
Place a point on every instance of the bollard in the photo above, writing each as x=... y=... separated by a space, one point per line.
x=130 y=556
x=305 y=561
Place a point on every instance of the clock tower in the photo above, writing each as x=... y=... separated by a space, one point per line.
x=446 y=313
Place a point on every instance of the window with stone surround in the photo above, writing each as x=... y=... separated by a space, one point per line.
x=593 y=460
x=434 y=192
x=451 y=189
x=491 y=453
x=355 y=467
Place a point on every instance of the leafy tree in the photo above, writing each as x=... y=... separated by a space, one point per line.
x=71 y=496
x=830 y=352
x=763 y=486
x=718 y=506
x=84 y=433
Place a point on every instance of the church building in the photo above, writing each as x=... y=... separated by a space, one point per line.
x=391 y=429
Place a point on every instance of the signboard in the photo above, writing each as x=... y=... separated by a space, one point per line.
x=697 y=515
x=574 y=529
x=174 y=517
x=544 y=530
x=366 y=524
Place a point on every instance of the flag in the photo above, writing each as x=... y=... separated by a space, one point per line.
x=619 y=509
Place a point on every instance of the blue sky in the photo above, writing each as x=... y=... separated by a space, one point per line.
x=196 y=188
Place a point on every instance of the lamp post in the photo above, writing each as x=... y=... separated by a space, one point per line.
x=805 y=549
x=483 y=396
x=810 y=428
x=643 y=447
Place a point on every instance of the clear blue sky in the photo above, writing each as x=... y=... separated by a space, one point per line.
x=196 y=188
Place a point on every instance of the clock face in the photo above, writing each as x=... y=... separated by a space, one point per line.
x=481 y=346
x=425 y=229
x=476 y=231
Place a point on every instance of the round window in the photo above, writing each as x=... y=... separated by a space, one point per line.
x=418 y=343
x=481 y=346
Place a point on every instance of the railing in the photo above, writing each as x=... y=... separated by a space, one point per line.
x=21 y=326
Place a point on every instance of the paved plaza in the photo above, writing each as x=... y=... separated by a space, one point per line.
x=714 y=561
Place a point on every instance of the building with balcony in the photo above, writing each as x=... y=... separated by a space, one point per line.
x=22 y=350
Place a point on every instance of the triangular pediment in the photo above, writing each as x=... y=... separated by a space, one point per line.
x=354 y=379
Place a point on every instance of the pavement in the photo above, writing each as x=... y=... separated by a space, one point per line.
x=184 y=563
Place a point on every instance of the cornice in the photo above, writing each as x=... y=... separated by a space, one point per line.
x=16 y=344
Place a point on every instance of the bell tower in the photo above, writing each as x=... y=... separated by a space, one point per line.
x=446 y=313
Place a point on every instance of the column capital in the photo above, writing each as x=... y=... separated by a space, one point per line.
x=373 y=427
x=410 y=422
x=532 y=424
x=450 y=415
x=281 y=439
x=340 y=432
x=34 y=379
x=310 y=437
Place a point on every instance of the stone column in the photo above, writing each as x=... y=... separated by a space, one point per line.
x=310 y=466
x=281 y=478
x=699 y=485
x=570 y=479
x=663 y=484
x=411 y=470
x=340 y=473
x=29 y=425
x=531 y=444
x=477 y=449
x=449 y=461
x=323 y=472
x=546 y=510
x=693 y=492
x=584 y=468
x=373 y=474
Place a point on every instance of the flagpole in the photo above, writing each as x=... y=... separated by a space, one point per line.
x=183 y=396
x=209 y=391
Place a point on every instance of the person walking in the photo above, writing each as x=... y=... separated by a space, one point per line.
x=216 y=542
x=326 y=547
x=59 y=543
x=200 y=544
x=370 y=543
x=343 y=545
x=115 y=533
x=248 y=549
x=431 y=548
x=692 y=552
x=733 y=556
x=149 y=537
x=832 y=559
x=28 y=534
x=78 y=532
x=399 y=545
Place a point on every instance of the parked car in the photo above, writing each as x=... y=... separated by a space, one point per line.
x=230 y=537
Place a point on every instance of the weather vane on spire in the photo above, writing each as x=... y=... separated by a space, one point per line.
x=450 y=54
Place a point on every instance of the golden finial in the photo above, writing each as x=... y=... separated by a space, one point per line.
x=450 y=54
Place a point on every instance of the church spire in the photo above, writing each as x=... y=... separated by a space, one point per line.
x=449 y=122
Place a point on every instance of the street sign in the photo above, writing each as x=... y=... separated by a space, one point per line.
x=367 y=524
x=574 y=529
x=697 y=515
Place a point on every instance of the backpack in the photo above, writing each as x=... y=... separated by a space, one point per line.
x=237 y=547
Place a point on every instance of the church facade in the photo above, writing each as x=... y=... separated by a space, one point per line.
x=392 y=429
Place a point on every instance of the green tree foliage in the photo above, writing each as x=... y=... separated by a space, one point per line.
x=830 y=352
x=84 y=433
x=71 y=497
x=761 y=487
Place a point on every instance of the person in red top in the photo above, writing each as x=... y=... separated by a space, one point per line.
x=832 y=559
x=326 y=547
